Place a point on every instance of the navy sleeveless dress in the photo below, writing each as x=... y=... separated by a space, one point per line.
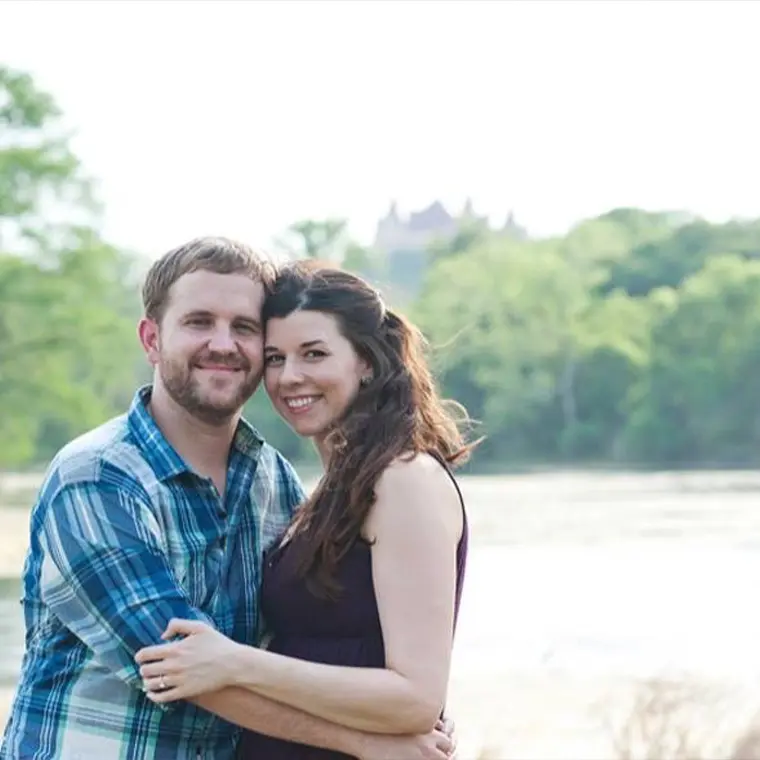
x=342 y=632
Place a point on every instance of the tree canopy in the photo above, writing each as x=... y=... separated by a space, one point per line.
x=631 y=340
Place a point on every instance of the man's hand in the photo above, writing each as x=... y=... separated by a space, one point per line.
x=439 y=744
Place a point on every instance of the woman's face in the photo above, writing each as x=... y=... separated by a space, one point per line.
x=311 y=372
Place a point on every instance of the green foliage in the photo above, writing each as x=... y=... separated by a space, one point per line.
x=669 y=261
x=700 y=385
x=633 y=339
x=323 y=239
x=67 y=352
x=37 y=168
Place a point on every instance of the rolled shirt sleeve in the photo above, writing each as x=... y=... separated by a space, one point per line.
x=106 y=574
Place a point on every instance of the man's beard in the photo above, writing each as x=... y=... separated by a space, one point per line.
x=186 y=391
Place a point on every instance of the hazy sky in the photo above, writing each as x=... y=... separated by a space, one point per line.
x=240 y=117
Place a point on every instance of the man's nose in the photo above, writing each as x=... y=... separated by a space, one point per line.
x=222 y=341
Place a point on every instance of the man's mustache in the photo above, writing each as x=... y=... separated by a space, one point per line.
x=233 y=361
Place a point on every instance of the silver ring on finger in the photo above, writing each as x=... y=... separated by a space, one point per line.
x=162 y=683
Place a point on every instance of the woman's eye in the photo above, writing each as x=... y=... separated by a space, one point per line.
x=272 y=359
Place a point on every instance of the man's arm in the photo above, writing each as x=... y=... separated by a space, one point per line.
x=105 y=574
x=256 y=713
x=249 y=710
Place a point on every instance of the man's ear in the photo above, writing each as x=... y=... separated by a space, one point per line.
x=147 y=331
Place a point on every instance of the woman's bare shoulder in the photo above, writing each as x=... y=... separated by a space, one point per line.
x=415 y=489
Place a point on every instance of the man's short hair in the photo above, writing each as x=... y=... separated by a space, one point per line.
x=219 y=255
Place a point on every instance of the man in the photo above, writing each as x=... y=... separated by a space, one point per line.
x=164 y=512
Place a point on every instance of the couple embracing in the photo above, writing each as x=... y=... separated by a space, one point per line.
x=185 y=599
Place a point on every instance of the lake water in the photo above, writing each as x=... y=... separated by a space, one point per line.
x=614 y=574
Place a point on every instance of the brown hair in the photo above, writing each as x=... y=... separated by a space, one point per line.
x=397 y=413
x=211 y=254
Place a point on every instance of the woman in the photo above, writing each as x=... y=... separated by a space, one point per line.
x=362 y=593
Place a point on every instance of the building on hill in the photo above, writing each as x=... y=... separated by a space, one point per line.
x=403 y=242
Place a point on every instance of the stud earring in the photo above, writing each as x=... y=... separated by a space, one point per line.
x=366 y=380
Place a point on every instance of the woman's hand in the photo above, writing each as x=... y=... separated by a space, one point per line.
x=203 y=661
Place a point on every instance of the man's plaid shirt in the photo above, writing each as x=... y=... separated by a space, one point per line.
x=124 y=536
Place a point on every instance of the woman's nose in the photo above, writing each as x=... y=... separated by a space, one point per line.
x=291 y=373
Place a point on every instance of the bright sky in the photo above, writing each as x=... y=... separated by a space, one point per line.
x=239 y=117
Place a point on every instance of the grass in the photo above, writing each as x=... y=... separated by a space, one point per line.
x=677 y=719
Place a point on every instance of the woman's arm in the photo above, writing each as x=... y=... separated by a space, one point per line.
x=416 y=524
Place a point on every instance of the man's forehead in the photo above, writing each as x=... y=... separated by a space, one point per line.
x=208 y=291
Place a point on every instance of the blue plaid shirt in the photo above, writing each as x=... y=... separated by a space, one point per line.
x=124 y=536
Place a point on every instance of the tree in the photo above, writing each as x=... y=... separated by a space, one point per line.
x=613 y=352
x=608 y=240
x=698 y=403
x=67 y=349
x=39 y=174
x=633 y=338
x=327 y=240
x=323 y=239
x=667 y=262
x=505 y=317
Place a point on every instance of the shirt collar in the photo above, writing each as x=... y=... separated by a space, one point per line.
x=161 y=455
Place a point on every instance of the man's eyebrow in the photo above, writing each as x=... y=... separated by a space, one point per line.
x=197 y=313
x=207 y=313
x=249 y=320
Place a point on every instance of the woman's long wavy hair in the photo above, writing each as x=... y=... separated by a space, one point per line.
x=398 y=413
